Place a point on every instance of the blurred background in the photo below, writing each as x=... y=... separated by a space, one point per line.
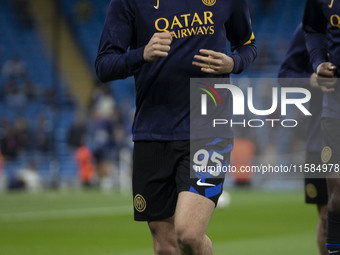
x=61 y=127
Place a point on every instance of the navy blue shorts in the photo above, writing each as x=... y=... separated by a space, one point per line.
x=330 y=153
x=316 y=191
x=163 y=169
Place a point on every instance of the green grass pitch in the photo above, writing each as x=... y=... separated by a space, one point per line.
x=96 y=223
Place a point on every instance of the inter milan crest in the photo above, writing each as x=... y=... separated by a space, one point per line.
x=139 y=203
x=311 y=191
x=209 y=2
x=326 y=154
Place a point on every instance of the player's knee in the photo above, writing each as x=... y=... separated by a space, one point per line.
x=188 y=240
x=334 y=203
x=323 y=215
x=164 y=239
x=166 y=250
x=164 y=245
x=154 y=229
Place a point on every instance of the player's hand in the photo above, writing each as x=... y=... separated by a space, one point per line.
x=214 y=62
x=158 y=46
x=326 y=76
x=313 y=81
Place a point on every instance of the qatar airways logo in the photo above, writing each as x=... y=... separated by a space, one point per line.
x=239 y=104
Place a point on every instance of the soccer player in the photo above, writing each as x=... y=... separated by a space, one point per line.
x=322 y=20
x=163 y=44
x=297 y=65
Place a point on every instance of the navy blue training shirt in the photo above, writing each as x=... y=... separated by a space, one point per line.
x=162 y=86
x=322 y=19
x=297 y=65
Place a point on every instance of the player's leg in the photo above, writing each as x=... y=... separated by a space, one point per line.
x=193 y=213
x=321 y=228
x=316 y=193
x=198 y=192
x=155 y=194
x=334 y=191
x=163 y=237
x=333 y=222
x=330 y=155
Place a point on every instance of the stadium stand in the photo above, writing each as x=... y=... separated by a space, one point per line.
x=26 y=43
x=88 y=31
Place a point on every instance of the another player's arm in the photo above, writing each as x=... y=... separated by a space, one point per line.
x=326 y=76
x=296 y=63
x=315 y=25
x=241 y=37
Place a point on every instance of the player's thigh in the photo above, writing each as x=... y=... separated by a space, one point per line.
x=162 y=228
x=334 y=194
x=199 y=190
x=330 y=156
x=202 y=170
x=193 y=213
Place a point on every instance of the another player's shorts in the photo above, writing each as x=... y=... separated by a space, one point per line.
x=315 y=188
x=330 y=153
x=163 y=169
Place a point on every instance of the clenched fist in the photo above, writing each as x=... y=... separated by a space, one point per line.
x=158 y=46
x=326 y=76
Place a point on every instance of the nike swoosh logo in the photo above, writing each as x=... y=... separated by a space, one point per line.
x=331 y=4
x=157 y=5
x=331 y=252
x=200 y=183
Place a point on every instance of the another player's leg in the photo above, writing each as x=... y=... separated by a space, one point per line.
x=163 y=237
x=333 y=222
x=321 y=228
x=193 y=213
x=330 y=155
x=316 y=193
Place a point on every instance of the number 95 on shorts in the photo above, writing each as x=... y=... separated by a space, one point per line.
x=210 y=157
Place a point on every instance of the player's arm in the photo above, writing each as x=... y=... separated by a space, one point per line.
x=158 y=46
x=114 y=60
x=213 y=62
x=296 y=63
x=315 y=25
x=241 y=37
